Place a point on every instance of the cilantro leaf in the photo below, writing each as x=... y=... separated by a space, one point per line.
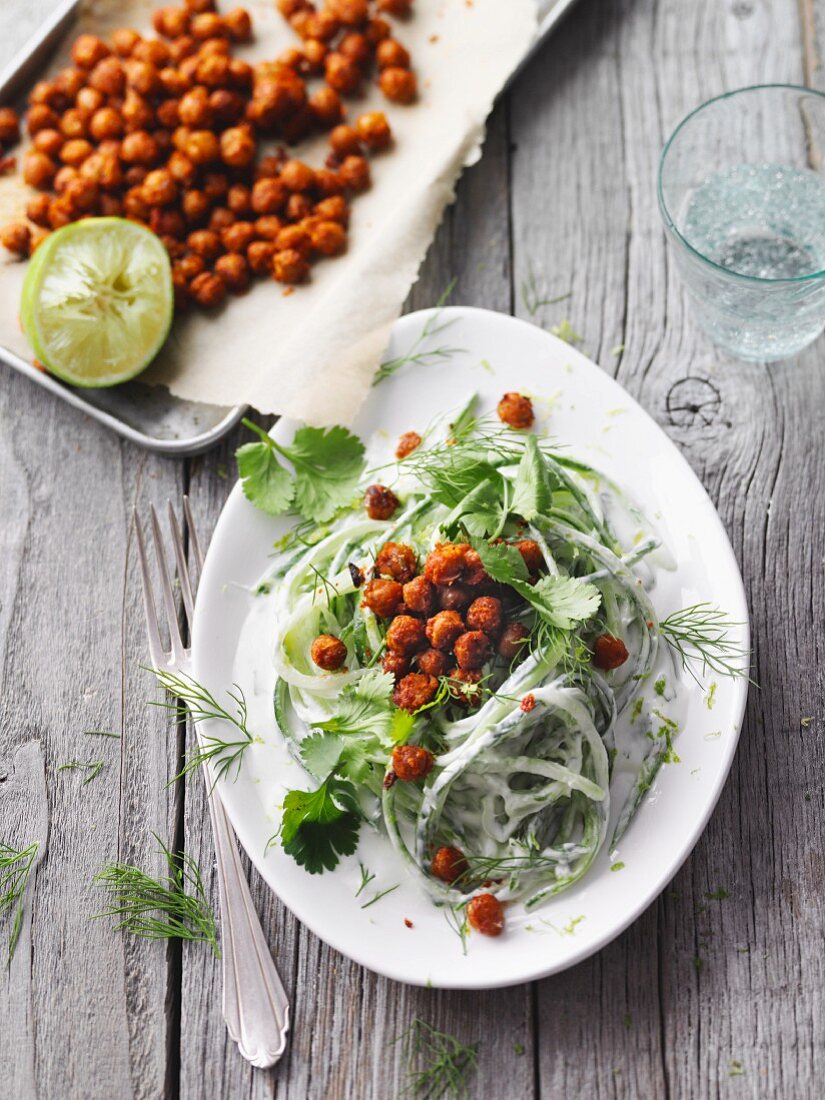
x=532 y=488
x=563 y=602
x=266 y=483
x=321 y=753
x=482 y=512
x=365 y=708
x=327 y=464
x=401 y=726
x=320 y=826
x=502 y=561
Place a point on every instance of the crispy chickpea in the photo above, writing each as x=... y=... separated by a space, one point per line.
x=106 y=171
x=174 y=82
x=16 y=238
x=208 y=290
x=259 y=256
x=485 y=614
x=213 y=71
x=396 y=560
x=124 y=41
x=234 y=271
x=268 y=196
x=355 y=173
x=333 y=209
x=298 y=209
x=203 y=147
x=167 y=114
x=171 y=22
x=241 y=73
x=532 y=555
x=41 y=117
x=189 y=66
x=188 y=267
x=516 y=410
x=396 y=665
x=409 y=441
x=374 y=130
x=238 y=147
x=37 y=210
x=268 y=167
x=405 y=635
x=355 y=48
x=433 y=662
x=349 y=12
x=88 y=50
x=385 y=598
x=73 y=124
x=376 y=30
x=313 y=56
x=108 y=77
x=419 y=596
x=139 y=148
x=328 y=184
x=512 y=641
x=464 y=686
x=228 y=107
x=454 y=597
x=322 y=25
x=326 y=106
x=415 y=690
x=206 y=243
x=485 y=912
x=398 y=85
x=344 y=141
x=195 y=206
x=328 y=238
x=341 y=74
x=380 y=502
x=443 y=629
x=208 y=25
x=448 y=864
x=609 y=652
x=9 y=126
x=83 y=196
x=221 y=218
x=412 y=762
x=38 y=236
x=134 y=206
x=239 y=200
x=289 y=266
x=292 y=236
x=196 y=7
x=61 y=212
x=445 y=564
x=238 y=237
x=167 y=223
x=474 y=572
x=136 y=113
x=239 y=24
x=194 y=109
x=390 y=53
x=74 y=152
x=288 y=8
x=141 y=77
x=49 y=142
x=134 y=176
x=153 y=52
x=268 y=227
x=159 y=188
x=472 y=650
x=328 y=652
x=89 y=100
x=110 y=206
x=68 y=82
x=105 y=123
x=297 y=176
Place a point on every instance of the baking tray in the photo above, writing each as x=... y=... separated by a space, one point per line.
x=149 y=415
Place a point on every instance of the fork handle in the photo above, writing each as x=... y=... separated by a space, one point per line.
x=255 y=1005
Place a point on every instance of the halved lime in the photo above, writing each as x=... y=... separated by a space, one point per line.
x=97 y=301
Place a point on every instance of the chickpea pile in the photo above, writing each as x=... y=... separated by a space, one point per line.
x=169 y=132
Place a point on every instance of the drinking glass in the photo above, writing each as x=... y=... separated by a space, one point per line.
x=742 y=193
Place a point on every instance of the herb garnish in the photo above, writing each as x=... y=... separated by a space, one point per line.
x=136 y=897
x=93 y=767
x=438 y=1064
x=15 y=869
x=320 y=826
x=327 y=463
x=416 y=354
x=699 y=633
x=379 y=895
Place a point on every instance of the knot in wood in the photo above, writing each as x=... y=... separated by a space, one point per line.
x=693 y=402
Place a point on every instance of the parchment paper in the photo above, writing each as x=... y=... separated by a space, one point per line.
x=312 y=354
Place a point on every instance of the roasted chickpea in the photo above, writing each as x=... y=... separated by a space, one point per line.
x=203 y=147
x=68 y=83
x=171 y=22
x=398 y=8
x=474 y=572
x=344 y=141
x=139 y=148
x=41 y=117
x=384 y=598
x=609 y=652
x=328 y=184
x=213 y=71
x=532 y=555
x=195 y=206
x=328 y=238
x=312 y=56
x=485 y=614
x=234 y=271
x=88 y=50
x=141 y=77
x=105 y=123
x=134 y=176
x=326 y=106
x=454 y=597
x=448 y=864
x=293 y=236
x=433 y=662
x=288 y=8
x=472 y=649
x=411 y=762
x=88 y=101
x=167 y=222
x=74 y=152
x=124 y=41
x=206 y=243
x=135 y=207
x=328 y=652
x=215 y=186
x=355 y=173
x=419 y=596
x=153 y=52
x=268 y=167
x=464 y=686
x=443 y=629
x=221 y=218
x=174 y=82
x=73 y=124
x=396 y=665
x=516 y=410
x=238 y=237
x=268 y=227
x=104 y=169
x=83 y=196
x=167 y=114
x=196 y=7
x=241 y=73
x=485 y=912
x=289 y=266
x=9 y=126
x=49 y=142
x=398 y=85
x=188 y=267
x=208 y=25
x=259 y=256
x=61 y=212
x=409 y=441
x=268 y=196
x=322 y=25
x=110 y=206
x=374 y=130
x=228 y=107
x=349 y=12
x=445 y=564
x=396 y=560
x=341 y=74
x=415 y=690
x=37 y=210
x=355 y=48
x=159 y=188
x=239 y=24
x=136 y=113
x=194 y=109
x=108 y=77
x=208 y=290
x=298 y=208
x=238 y=147
x=189 y=66
x=297 y=176
x=333 y=209
x=16 y=238
x=380 y=502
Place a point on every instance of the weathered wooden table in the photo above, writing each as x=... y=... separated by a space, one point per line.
x=701 y=997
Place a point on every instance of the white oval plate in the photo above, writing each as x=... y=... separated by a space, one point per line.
x=591 y=414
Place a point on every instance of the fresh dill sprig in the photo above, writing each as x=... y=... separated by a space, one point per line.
x=532 y=296
x=160 y=909
x=15 y=869
x=379 y=895
x=416 y=354
x=93 y=767
x=699 y=633
x=101 y=733
x=202 y=705
x=366 y=878
x=457 y=920
x=438 y=1064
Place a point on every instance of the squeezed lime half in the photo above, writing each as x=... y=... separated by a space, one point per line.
x=97 y=301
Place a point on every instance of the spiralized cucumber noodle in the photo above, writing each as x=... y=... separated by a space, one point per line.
x=521 y=783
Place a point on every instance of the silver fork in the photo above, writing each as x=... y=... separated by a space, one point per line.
x=255 y=1006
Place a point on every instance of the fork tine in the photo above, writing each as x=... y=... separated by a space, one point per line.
x=183 y=569
x=178 y=652
x=193 y=532
x=155 y=647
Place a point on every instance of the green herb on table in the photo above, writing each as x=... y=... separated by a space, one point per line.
x=101 y=733
x=416 y=354
x=736 y=1069
x=565 y=331
x=531 y=294
x=326 y=465
x=15 y=870
x=718 y=895
x=318 y=827
x=201 y=705
x=438 y=1064
x=93 y=767
x=699 y=635
x=171 y=907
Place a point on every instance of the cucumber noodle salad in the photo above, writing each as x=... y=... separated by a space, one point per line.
x=453 y=652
